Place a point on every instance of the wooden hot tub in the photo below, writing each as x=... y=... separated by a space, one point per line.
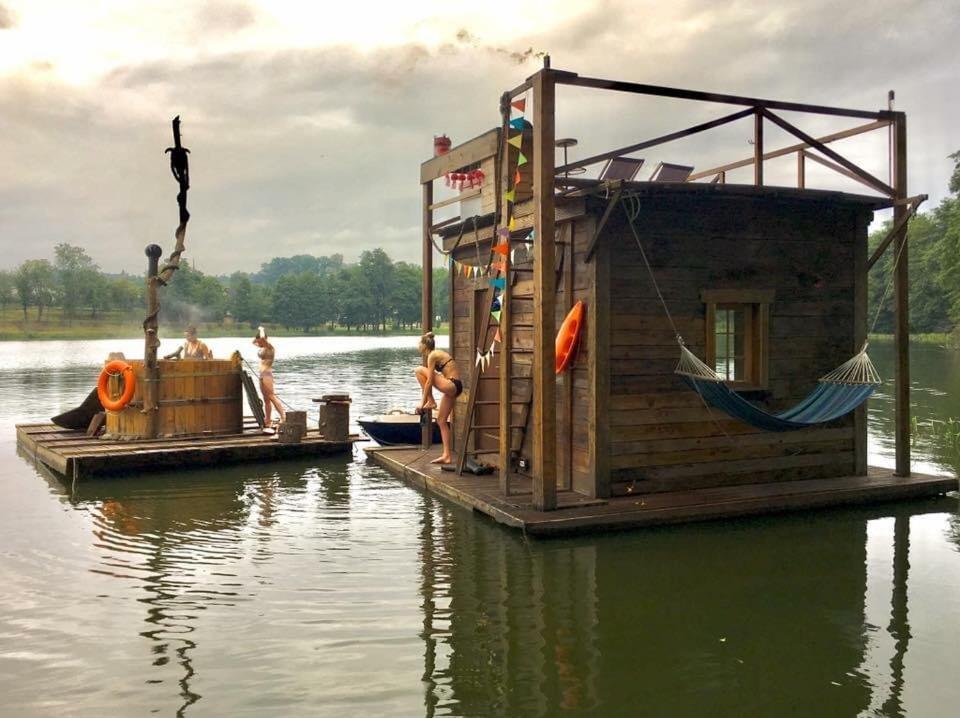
x=195 y=397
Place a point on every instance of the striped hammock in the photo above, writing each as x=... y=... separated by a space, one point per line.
x=836 y=394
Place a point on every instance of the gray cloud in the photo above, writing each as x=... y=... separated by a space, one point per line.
x=318 y=150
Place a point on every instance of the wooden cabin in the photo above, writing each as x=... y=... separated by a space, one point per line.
x=766 y=284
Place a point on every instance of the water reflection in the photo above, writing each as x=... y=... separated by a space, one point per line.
x=182 y=541
x=766 y=617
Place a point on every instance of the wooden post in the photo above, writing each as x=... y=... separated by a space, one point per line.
x=758 y=148
x=426 y=306
x=901 y=290
x=801 y=170
x=506 y=339
x=544 y=295
x=151 y=342
x=565 y=420
x=860 y=301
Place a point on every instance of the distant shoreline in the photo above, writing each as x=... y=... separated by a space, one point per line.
x=175 y=332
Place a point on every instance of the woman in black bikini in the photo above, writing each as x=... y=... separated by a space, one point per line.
x=440 y=372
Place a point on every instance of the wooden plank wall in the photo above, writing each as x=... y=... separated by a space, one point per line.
x=662 y=436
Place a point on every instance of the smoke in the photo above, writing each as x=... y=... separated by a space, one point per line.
x=467 y=38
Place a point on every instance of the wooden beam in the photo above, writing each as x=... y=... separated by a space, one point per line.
x=868 y=178
x=702 y=127
x=611 y=204
x=833 y=137
x=506 y=333
x=899 y=224
x=544 y=297
x=758 y=149
x=426 y=300
x=801 y=169
x=660 y=91
x=833 y=166
x=860 y=303
x=479 y=148
x=901 y=293
x=597 y=332
x=565 y=420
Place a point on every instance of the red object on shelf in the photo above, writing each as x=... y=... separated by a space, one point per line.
x=441 y=145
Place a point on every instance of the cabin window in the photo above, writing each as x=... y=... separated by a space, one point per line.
x=737 y=335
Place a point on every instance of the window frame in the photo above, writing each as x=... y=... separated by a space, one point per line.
x=756 y=338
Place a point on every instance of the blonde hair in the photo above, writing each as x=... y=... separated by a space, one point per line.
x=427 y=341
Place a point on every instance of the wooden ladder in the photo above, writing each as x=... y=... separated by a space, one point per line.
x=518 y=384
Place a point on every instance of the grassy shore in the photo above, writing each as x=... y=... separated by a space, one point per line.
x=114 y=325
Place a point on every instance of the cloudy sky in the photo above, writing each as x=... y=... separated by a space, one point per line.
x=307 y=121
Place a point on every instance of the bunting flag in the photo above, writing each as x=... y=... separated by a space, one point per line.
x=498 y=283
x=516 y=141
x=510 y=195
x=502 y=248
x=490 y=350
x=504 y=232
x=520 y=104
x=496 y=337
x=522 y=160
x=517 y=124
x=513 y=255
x=496 y=314
x=512 y=224
x=516 y=178
x=476 y=272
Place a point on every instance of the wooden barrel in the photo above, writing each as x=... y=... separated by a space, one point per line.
x=196 y=397
x=335 y=417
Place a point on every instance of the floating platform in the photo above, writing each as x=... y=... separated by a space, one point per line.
x=578 y=513
x=74 y=455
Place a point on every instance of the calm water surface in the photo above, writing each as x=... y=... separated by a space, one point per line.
x=327 y=588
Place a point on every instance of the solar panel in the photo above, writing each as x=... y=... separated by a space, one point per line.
x=667 y=172
x=621 y=168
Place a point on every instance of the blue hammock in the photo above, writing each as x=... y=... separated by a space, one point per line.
x=836 y=394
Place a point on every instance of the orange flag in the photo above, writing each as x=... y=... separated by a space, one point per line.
x=502 y=248
x=516 y=178
x=520 y=105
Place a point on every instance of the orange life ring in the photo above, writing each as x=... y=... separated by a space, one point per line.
x=568 y=336
x=117 y=366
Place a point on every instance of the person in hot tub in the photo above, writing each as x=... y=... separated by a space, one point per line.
x=192 y=347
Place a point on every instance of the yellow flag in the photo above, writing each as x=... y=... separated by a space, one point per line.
x=516 y=141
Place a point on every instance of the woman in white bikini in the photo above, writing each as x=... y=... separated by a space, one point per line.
x=440 y=372
x=266 y=354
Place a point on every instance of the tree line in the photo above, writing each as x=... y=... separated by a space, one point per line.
x=309 y=292
x=303 y=292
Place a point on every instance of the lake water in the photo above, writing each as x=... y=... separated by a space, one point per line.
x=328 y=588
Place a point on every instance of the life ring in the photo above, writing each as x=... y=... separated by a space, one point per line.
x=117 y=366
x=568 y=336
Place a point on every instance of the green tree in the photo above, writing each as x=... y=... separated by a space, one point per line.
x=8 y=289
x=441 y=294
x=355 y=308
x=34 y=280
x=406 y=294
x=125 y=295
x=247 y=301
x=378 y=274
x=78 y=276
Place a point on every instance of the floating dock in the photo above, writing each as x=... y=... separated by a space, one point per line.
x=74 y=455
x=577 y=513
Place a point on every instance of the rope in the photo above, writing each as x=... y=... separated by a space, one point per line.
x=893 y=271
x=631 y=208
x=257 y=374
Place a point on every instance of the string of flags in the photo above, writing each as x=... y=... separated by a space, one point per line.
x=497 y=267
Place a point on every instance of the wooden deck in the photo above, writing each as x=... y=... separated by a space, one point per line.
x=577 y=513
x=75 y=455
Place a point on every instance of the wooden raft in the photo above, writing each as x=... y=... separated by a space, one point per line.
x=75 y=455
x=577 y=513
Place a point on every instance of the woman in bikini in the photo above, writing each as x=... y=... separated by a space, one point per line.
x=440 y=372
x=266 y=354
x=192 y=347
